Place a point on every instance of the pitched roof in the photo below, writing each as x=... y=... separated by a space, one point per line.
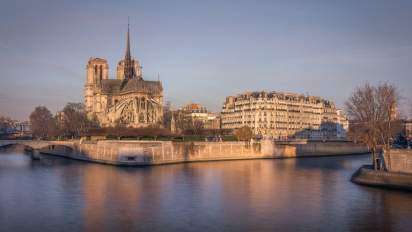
x=139 y=85
x=111 y=86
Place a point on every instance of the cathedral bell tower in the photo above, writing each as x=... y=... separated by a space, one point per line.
x=97 y=70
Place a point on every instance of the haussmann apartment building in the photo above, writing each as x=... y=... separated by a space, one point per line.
x=284 y=115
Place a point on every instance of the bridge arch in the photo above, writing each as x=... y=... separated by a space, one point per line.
x=40 y=144
x=15 y=146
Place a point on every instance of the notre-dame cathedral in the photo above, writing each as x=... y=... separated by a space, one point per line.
x=128 y=99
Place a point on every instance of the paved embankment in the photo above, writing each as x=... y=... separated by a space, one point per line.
x=395 y=180
x=135 y=153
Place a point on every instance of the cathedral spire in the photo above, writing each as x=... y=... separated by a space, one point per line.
x=128 y=63
x=127 y=55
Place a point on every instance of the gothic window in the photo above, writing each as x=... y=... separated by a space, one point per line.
x=149 y=112
x=142 y=103
x=141 y=117
x=137 y=100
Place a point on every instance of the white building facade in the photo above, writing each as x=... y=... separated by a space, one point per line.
x=284 y=115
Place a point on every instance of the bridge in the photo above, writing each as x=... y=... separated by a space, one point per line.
x=38 y=144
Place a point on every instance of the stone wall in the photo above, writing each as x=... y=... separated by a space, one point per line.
x=148 y=153
x=311 y=148
x=202 y=151
x=367 y=176
x=400 y=160
x=327 y=148
x=162 y=152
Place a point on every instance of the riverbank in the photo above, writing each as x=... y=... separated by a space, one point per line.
x=366 y=175
x=143 y=153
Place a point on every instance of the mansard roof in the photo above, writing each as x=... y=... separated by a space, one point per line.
x=281 y=96
x=117 y=86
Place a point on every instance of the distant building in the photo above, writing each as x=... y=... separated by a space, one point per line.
x=128 y=99
x=14 y=129
x=342 y=124
x=6 y=124
x=22 y=128
x=213 y=122
x=196 y=112
x=407 y=128
x=284 y=115
x=188 y=115
x=60 y=117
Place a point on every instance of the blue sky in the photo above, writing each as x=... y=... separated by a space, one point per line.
x=204 y=50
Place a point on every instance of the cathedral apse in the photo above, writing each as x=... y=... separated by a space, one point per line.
x=128 y=100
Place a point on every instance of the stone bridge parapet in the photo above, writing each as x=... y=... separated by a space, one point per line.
x=39 y=144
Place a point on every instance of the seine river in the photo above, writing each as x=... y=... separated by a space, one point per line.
x=308 y=194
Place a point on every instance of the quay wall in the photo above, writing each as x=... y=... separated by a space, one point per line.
x=163 y=152
x=327 y=148
x=399 y=160
x=366 y=175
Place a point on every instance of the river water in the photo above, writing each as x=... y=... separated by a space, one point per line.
x=307 y=194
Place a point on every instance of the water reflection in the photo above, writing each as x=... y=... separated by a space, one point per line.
x=293 y=194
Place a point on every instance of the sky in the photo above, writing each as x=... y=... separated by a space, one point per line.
x=204 y=50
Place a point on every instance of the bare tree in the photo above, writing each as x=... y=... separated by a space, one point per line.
x=388 y=99
x=244 y=133
x=197 y=126
x=118 y=130
x=167 y=115
x=74 y=121
x=182 y=122
x=409 y=114
x=42 y=122
x=372 y=111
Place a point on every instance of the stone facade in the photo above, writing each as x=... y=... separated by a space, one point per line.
x=282 y=115
x=407 y=128
x=128 y=100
